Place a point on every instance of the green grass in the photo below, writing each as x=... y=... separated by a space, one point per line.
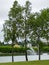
x=44 y=62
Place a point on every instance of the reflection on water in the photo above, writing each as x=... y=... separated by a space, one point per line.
x=22 y=58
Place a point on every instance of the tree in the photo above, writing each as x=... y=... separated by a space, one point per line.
x=37 y=25
x=24 y=25
x=17 y=25
x=1 y=43
x=27 y=14
x=11 y=26
x=45 y=15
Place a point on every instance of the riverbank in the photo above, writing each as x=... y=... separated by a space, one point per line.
x=10 y=54
x=43 y=62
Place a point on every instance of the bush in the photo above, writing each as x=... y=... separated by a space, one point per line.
x=5 y=49
x=8 y=49
x=43 y=49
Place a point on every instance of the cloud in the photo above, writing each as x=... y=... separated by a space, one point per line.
x=5 y=6
x=36 y=4
x=1 y=33
x=39 y=4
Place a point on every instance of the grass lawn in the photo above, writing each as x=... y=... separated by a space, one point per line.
x=44 y=62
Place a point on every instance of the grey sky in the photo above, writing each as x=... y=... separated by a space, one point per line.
x=5 y=6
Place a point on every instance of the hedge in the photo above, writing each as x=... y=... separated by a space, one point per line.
x=8 y=49
x=42 y=49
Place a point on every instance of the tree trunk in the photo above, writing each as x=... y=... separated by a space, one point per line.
x=38 y=41
x=26 y=50
x=12 y=53
x=26 y=55
x=25 y=41
x=39 y=51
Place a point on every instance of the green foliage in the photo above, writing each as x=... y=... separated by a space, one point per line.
x=23 y=24
x=8 y=49
x=11 y=26
x=5 y=49
x=1 y=43
x=43 y=49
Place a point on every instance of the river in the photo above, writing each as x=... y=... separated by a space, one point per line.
x=22 y=58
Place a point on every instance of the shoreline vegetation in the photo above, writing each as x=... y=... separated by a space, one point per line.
x=6 y=50
x=41 y=62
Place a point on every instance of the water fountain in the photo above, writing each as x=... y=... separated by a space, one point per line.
x=31 y=51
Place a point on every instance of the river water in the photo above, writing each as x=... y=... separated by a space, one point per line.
x=22 y=58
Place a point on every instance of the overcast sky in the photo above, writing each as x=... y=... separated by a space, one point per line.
x=5 y=6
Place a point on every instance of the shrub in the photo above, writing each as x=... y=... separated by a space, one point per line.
x=8 y=49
